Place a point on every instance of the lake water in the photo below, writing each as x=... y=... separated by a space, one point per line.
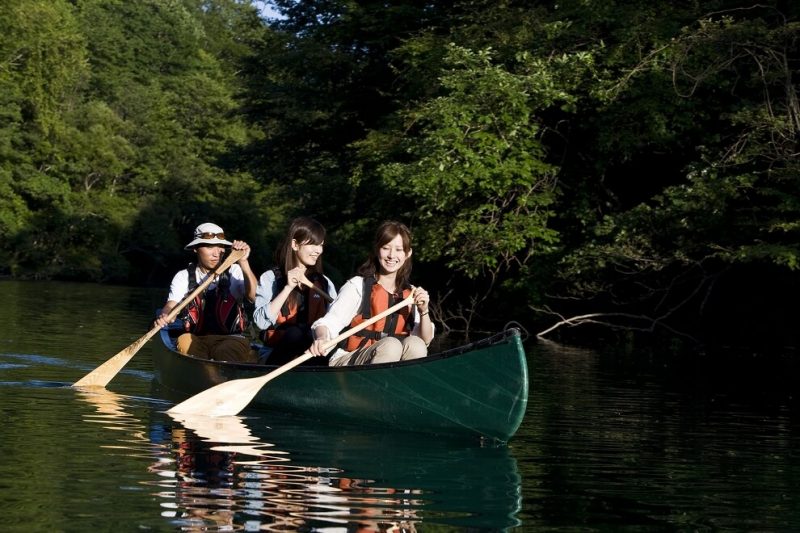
x=610 y=442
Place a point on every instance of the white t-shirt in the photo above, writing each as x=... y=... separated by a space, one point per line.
x=180 y=283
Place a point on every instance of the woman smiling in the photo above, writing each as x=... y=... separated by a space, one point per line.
x=382 y=281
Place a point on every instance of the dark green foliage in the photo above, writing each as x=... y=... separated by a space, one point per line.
x=733 y=200
x=599 y=157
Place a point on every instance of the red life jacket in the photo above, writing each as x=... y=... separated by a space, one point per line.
x=213 y=311
x=308 y=307
x=375 y=299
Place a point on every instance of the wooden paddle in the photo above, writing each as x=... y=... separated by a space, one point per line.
x=305 y=281
x=230 y=397
x=100 y=376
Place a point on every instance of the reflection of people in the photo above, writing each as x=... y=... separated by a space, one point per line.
x=382 y=281
x=200 y=470
x=373 y=502
x=285 y=306
x=216 y=319
x=387 y=527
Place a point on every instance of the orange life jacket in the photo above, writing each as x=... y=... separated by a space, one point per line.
x=375 y=300
x=306 y=308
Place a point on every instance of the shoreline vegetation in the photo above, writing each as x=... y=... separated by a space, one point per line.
x=635 y=165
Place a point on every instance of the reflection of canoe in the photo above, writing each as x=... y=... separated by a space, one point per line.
x=309 y=477
x=468 y=487
x=477 y=389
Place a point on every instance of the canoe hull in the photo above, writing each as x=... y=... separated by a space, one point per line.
x=478 y=390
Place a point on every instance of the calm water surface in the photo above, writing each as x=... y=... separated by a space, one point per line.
x=608 y=443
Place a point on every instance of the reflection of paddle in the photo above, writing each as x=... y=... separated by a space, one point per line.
x=229 y=433
x=112 y=414
x=305 y=281
x=100 y=376
x=230 y=397
x=106 y=402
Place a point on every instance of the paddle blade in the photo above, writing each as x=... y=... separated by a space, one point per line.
x=225 y=399
x=231 y=397
x=100 y=376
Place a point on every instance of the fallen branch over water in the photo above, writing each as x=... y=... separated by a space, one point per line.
x=633 y=322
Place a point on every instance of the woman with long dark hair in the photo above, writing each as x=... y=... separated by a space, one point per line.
x=382 y=281
x=294 y=293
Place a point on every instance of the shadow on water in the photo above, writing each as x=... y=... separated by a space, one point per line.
x=277 y=472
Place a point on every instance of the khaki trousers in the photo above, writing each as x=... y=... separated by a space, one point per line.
x=217 y=347
x=386 y=350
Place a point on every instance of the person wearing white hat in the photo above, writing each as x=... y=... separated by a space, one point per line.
x=215 y=320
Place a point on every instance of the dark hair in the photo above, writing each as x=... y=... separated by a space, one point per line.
x=386 y=232
x=303 y=230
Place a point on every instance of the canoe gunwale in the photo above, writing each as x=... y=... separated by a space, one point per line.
x=497 y=338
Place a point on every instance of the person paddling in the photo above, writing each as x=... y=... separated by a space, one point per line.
x=286 y=305
x=215 y=321
x=382 y=281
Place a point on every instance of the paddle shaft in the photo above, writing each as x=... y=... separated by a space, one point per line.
x=305 y=281
x=336 y=340
x=230 y=397
x=100 y=376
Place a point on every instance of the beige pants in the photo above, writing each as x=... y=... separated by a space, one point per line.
x=217 y=347
x=386 y=350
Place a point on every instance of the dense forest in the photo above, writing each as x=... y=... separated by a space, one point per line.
x=623 y=166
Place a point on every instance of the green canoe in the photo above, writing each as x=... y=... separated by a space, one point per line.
x=480 y=389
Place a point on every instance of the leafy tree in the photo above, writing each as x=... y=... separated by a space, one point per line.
x=116 y=110
x=594 y=157
x=736 y=203
x=42 y=67
x=323 y=81
x=474 y=158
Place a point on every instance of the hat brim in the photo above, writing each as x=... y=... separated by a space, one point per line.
x=197 y=242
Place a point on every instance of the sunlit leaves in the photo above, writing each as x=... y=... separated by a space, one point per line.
x=43 y=52
x=114 y=111
x=475 y=164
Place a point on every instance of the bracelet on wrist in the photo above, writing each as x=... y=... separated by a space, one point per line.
x=423 y=314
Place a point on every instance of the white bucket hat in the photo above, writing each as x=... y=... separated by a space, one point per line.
x=208 y=233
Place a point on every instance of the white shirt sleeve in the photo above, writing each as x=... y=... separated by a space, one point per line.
x=179 y=286
x=264 y=294
x=331 y=289
x=416 y=329
x=343 y=309
x=237 y=282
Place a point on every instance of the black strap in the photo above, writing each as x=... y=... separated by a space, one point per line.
x=192 y=269
x=223 y=280
x=366 y=297
x=391 y=320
